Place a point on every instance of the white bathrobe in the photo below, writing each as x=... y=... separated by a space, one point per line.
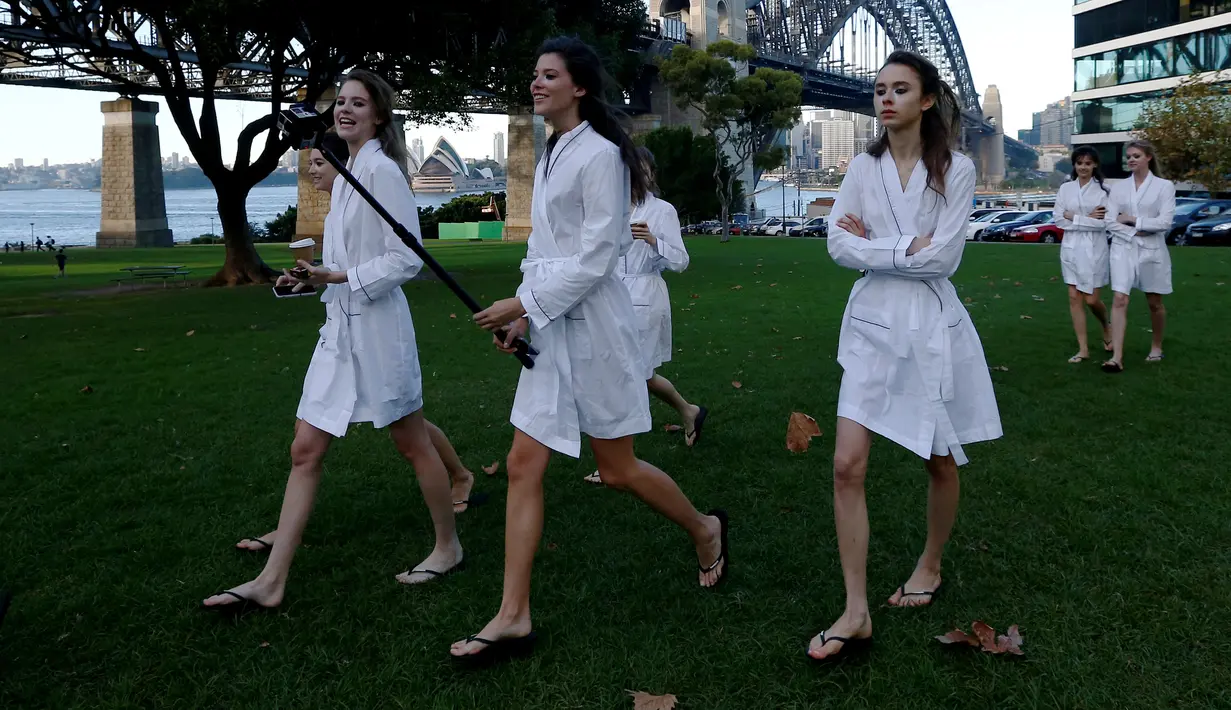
x=641 y=270
x=1139 y=256
x=1084 y=253
x=366 y=364
x=589 y=377
x=913 y=366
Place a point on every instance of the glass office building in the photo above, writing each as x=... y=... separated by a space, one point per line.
x=1131 y=52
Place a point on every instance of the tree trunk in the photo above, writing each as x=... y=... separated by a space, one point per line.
x=243 y=265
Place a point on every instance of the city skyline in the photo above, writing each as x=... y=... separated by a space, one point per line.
x=68 y=128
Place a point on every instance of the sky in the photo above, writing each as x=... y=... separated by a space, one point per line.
x=1024 y=47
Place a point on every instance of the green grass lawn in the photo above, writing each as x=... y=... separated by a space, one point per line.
x=1099 y=523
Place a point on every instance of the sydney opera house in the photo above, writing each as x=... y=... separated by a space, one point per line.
x=444 y=170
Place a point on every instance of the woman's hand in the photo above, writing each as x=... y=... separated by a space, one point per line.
x=306 y=273
x=1097 y=213
x=1127 y=219
x=917 y=244
x=517 y=329
x=1068 y=214
x=500 y=314
x=641 y=231
x=854 y=225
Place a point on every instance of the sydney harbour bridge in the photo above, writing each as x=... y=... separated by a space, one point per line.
x=836 y=46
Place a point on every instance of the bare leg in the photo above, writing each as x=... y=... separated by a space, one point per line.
x=413 y=442
x=1077 y=310
x=620 y=468
x=523 y=529
x=943 y=494
x=850 y=508
x=307 y=451
x=1119 y=323
x=662 y=388
x=1158 y=322
x=1100 y=312
x=460 y=476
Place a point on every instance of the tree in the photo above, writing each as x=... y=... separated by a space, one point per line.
x=743 y=113
x=463 y=208
x=684 y=161
x=1189 y=129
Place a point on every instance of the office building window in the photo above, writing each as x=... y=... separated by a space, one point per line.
x=1174 y=56
x=1130 y=17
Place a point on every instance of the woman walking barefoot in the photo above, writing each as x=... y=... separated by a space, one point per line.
x=589 y=377
x=1081 y=211
x=366 y=365
x=913 y=366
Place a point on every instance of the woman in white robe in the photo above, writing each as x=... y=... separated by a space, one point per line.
x=366 y=366
x=913 y=366
x=1144 y=207
x=1081 y=211
x=589 y=377
x=658 y=246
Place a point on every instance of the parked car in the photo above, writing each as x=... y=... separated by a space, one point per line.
x=1000 y=232
x=974 y=230
x=815 y=227
x=1189 y=213
x=1213 y=231
x=980 y=212
x=781 y=228
x=767 y=224
x=1046 y=233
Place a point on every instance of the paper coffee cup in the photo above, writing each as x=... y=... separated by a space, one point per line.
x=303 y=249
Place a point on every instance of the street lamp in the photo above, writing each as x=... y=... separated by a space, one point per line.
x=31 y=232
x=211 y=225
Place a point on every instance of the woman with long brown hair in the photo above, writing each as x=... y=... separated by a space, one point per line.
x=590 y=375
x=1081 y=211
x=365 y=367
x=913 y=366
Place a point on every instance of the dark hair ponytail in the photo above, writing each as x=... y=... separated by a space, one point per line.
x=587 y=72
x=1087 y=151
x=938 y=129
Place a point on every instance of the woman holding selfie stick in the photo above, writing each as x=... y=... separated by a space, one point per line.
x=366 y=364
x=589 y=377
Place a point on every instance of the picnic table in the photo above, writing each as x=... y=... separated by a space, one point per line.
x=136 y=274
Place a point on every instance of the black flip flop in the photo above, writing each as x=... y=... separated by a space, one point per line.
x=435 y=575
x=724 y=552
x=850 y=648
x=239 y=608
x=697 y=425
x=1113 y=367
x=902 y=593
x=474 y=501
x=497 y=651
x=5 y=599
x=265 y=546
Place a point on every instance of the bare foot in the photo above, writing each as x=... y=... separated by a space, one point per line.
x=848 y=626
x=437 y=564
x=257 y=591
x=690 y=424
x=918 y=590
x=462 y=485
x=496 y=629
x=708 y=552
x=254 y=543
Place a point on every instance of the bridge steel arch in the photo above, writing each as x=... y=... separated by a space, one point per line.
x=805 y=29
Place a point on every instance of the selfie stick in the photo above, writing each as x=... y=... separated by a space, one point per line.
x=304 y=127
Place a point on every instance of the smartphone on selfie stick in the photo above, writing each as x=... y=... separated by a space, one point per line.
x=304 y=127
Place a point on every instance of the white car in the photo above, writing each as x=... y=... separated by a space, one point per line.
x=782 y=227
x=974 y=229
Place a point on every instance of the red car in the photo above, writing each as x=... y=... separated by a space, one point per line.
x=1046 y=233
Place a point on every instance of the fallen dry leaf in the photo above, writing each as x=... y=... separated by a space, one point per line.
x=264 y=644
x=985 y=277
x=986 y=634
x=1018 y=283
x=1052 y=278
x=190 y=333
x=551 y=546
x=672 y=427
x=1025 y=317
x=647 y=701
x=1037 y=298
x=958 y=636
x=991 y=283
x=1216 y=283
x=737 y=384
x=798 y=337
x=799 y=432
x=736 y=287
x=491 y=470
x=87 y=390
x=139 y=350
x=996 y=296
x=693 y=295
x=1001 y=368
x=772 y=285
x=968 y=299
x=774 y=329
x=1011 y=642
x=453 y=316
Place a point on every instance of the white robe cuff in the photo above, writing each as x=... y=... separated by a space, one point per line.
x=538 y=317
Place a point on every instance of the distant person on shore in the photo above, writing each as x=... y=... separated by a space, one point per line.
x=61 y=257
x=21 y=247
x=38 y=245
x=365 y=364
x=6 y=247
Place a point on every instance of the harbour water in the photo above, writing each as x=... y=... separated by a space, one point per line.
x=71 y=217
